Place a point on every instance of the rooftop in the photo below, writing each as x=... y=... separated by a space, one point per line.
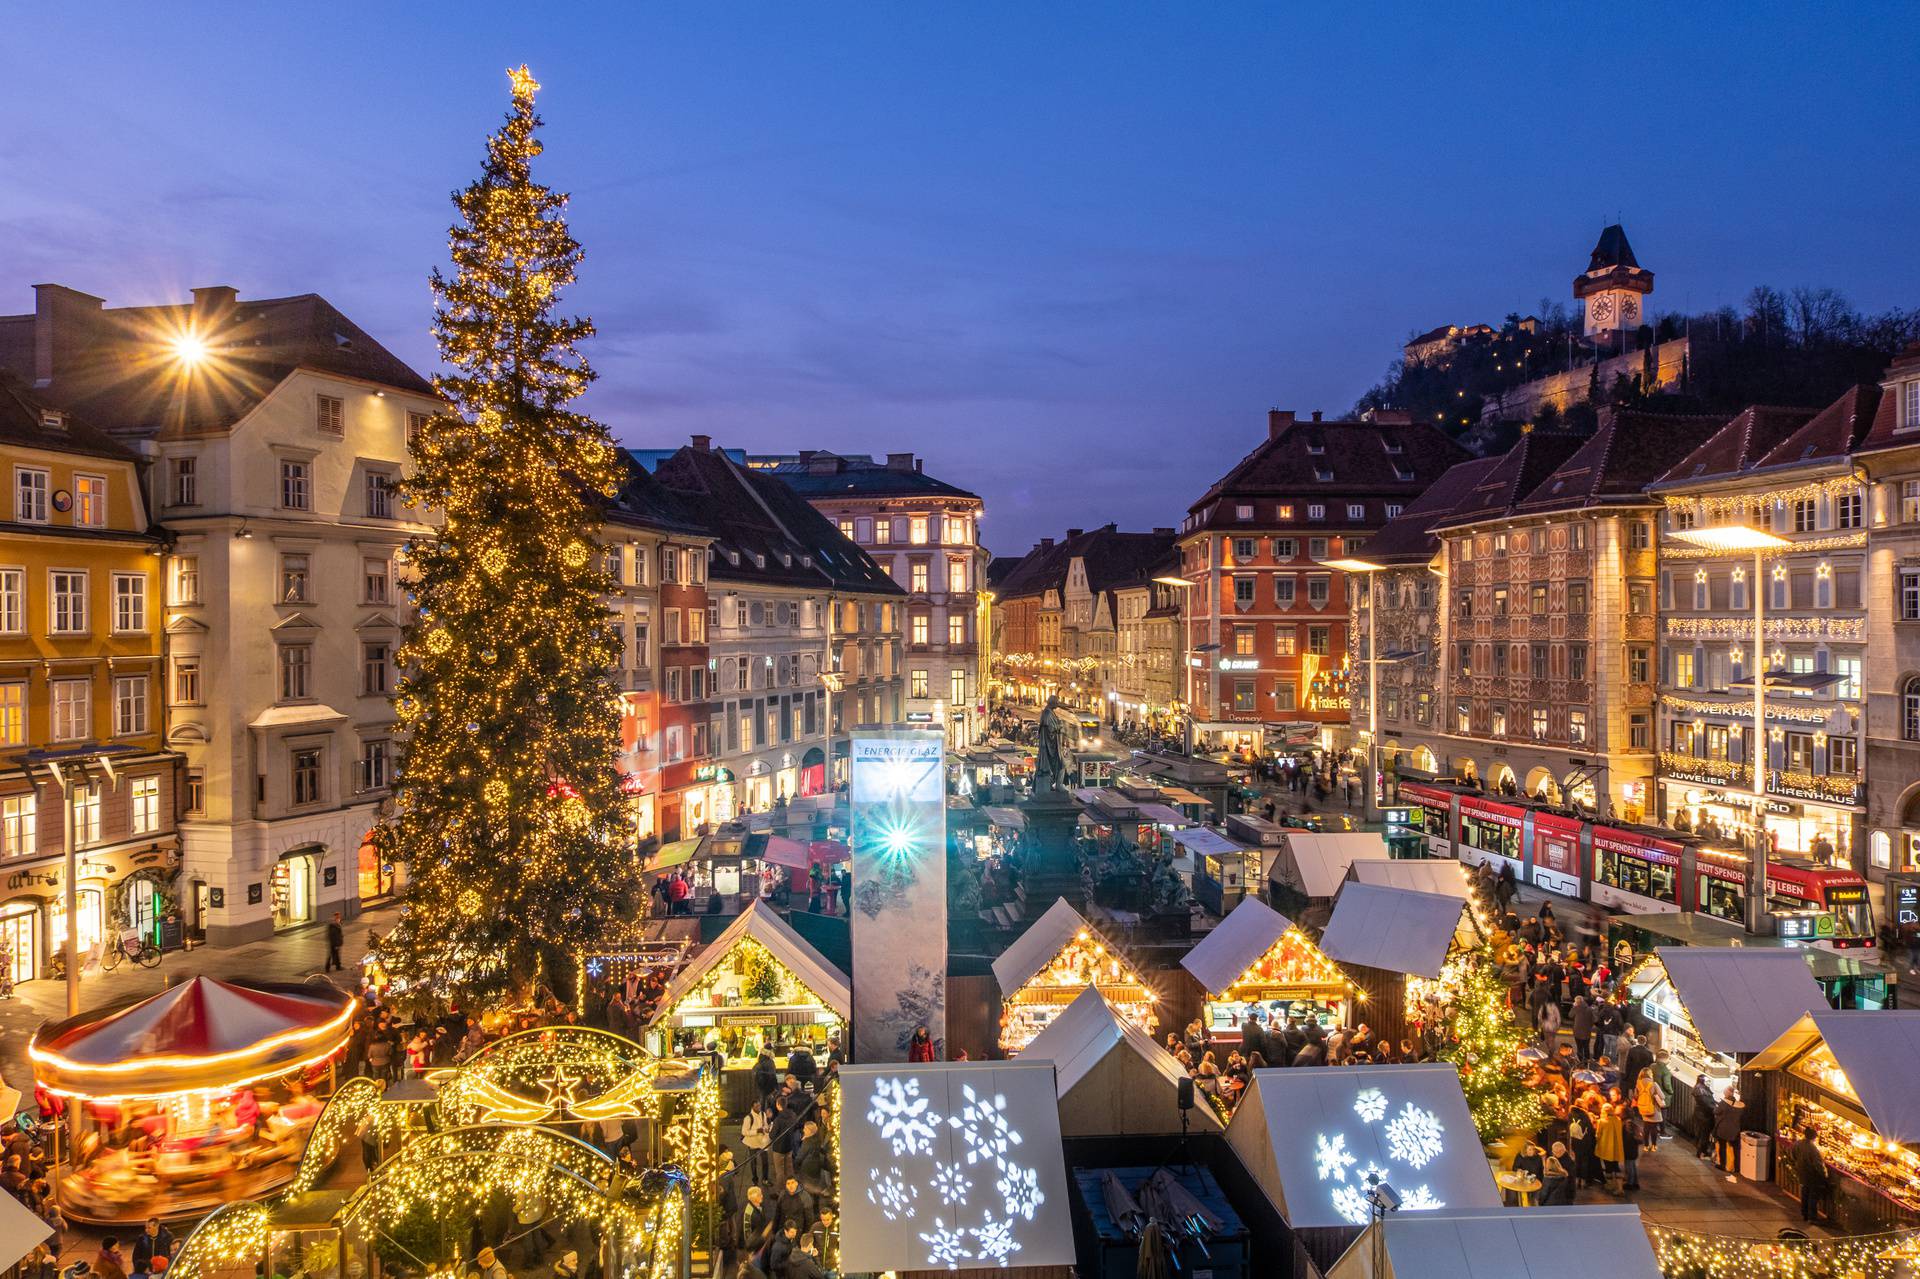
x=1388 y=455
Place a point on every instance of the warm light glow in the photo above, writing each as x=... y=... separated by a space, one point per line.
x=1174 y=581
x=1353 y=566
x=189 y=348
x=1732 y=537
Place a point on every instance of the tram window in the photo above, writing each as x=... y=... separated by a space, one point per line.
x=1721 y=899
x=1433 y=821
x=1635 y=875
x=1490 y=837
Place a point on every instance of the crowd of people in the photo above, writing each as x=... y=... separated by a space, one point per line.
x=780 y=1196
x=1290 y=1041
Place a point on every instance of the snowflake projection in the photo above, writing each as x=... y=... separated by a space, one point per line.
x=983 y=1128
x=1415 y=1137
x=946 y=1246
x=903 y=1116
x=1331 y=1159
x=1370 y=1105
x=893 y=1194
x=1020 y=1189
x=1420 y=1199
x=951 y=1184
x=1351 y=1202
x=993 y=1240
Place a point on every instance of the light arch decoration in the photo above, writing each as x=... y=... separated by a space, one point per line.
x=550 y=1074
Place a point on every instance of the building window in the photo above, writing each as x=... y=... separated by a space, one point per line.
x=1498 y=721
x=72 y=709
x=1243 y=588
x=1319 y=590
x=1244 y=511
x=1576 y=661
x=379 y=495
x=1910 y=594
x=1540 y=723
x=956 y=576
x=1320 y=640
x=13 y=714
x=1537 y=600
x=306 y=775
x=1315 y=511
x=1700 y=590
x=296 y=672
x=1805 y=515
x=143 y=798
x=1284 y=696
x=196 y=791
x=1639 y=534
x=917 y=530
x=129 y=602
x=69 y=603
x=186 y=579
x=30 y=488
x=186 y=681
x=1316 y=548
x=1243 y=696
x=90 y=501
x=329 y=415
x=1243 y=549
x=1463 y=717
x=1639 y=599
x=13 y=601
x=921 y=625
x=296 y=485
x=1910 y=493
x=1846 y=510
x=1843 y=756
x=1243 y=640
x=1285 y=548
x=1284 y=641
x=1500 y=601
x=917 y=685
x=376 y=578
x=917 y=577
x=883 y=532
x=1639 y=731
x=16 y=826
x=846 y=529
x=129 y=705
x=85 y=801
x=1283 y=590
x=1393 y=510
x=374 y=762
x=416 y=423
x=1576 y=599
x=375 y=663
x=295 y=578
x=1577 y=727
x=956 y=628
x=957 y=687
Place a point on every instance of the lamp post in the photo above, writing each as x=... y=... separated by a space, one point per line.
x=1364 y=570
x=1737 y=539
x=1186 y=659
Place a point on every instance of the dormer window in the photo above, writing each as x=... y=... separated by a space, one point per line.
x=53 y=420
x=1403 y=474
x=1393 y=447
x=1244 y=511
x=1316 y=448
x=759 y=560
x=1324 y=474
x=786 y=559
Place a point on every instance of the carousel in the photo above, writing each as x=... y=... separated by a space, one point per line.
x=200 y=1095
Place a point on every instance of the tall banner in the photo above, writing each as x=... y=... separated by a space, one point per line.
x=898 y=799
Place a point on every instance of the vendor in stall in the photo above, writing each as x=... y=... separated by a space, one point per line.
x=1256 y=962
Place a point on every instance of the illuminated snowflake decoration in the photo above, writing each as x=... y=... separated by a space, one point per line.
x=903 y=1116
x=993 y=1240
x=1331 y=1159
x=892 y=1194
x=1415 y=1137
x=983 y=1128
x=951 y=1184
x=1420 y=1199
x=1370 y=1105
x=1020 y=1189
x=945 y=1246
x=1351 y=1202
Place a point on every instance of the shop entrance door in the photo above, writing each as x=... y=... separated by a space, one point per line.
x=293 y=891
x=143 y=909
x=20 y=941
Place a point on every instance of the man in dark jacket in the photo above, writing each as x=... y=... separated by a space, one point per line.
x=1253 y=1036
x=1635 y=1057
x=1810 y=1170
x=155 y=1241
x=336 y=937
x=1703 y=1104
x=796 y=1204
x=805 y=1261
x=1728 y=1119
x=756 y=1223
x=784 y=1245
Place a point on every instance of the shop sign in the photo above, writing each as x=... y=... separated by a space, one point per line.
x=745 y=1019
x=919 y=717
x=108 y=867
x=1780 y=786
x=1239 y=663
x=1906 y=903
x=713 y=773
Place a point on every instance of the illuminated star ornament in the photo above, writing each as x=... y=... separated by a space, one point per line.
x=524 y=85
x=562 y=1089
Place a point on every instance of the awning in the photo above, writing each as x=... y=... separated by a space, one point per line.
x=1392 y=929
x=667 y=856
x=1805 y=681
x=1161 y=815
x=1011 y=818
x=1204 y=841
x=1181 y=795
x=1875 y=1050
x=1740 y=999
x=21 y=1230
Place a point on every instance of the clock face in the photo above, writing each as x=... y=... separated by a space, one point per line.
x=1630 y=309
x=1600 y=307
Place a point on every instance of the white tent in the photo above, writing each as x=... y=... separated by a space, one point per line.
x=21 y=1230
x=1874 y=1050
x=1248 y=932
x=762 y=923
x=1505 y=1243
x=1741 y=998
x=1317 y=863
x=956 y=1165
x=1392 y=929
x=1112 y=1078
x=1422 y=874
x=1311 y=1137
x=1161 y=815
x=1035 y=948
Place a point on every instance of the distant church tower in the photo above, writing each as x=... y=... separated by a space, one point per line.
x=1612 y=287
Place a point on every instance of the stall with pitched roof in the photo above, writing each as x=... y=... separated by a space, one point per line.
x=1048 y=966
x=1395 y=944
x=1501 y=1243
x=1113 y=1078
x=1257 y=960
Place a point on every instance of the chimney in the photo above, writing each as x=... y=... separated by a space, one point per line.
x=1391 y=417
x=59 y=313
x=899 y=461
x=1046 y=544
x=215 y=298
x=1163 y=532
x=1316 y=415
x=1278 y=420
x=702 y=443
x=1074 y=532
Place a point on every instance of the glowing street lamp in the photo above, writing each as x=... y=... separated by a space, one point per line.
x=1186 y=657
x=1364 y=570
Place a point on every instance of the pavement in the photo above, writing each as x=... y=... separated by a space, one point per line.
x=286 y=957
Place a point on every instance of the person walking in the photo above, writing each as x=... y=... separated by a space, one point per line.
x=1610 y=1142
x=1810 y=1170
x=1632 y=1131
x=336 y=938
x=1582 y=1028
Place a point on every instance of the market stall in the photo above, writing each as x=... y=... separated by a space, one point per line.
x=1224 y=870
x=1849 y=1077
x=1510 y=1243
x=1257 y=959
x=758 y=984
x=798 y=862
x=1394 y=943
x=201 y=1094
x=1714 y=1008
x=1049 y=964
x=1310 y=868
x=1113 y=1078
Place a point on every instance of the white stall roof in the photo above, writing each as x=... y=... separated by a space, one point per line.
x=1310 y=1137
x=1161 y=815
x=1875 y=1051
x=21 y=1230
x=1032 y=950
x=1321 y=861
x=1248 y=932
x=760 y=922
x=1393 y=929
x=1204 y=840
x=1741 y=998
x=1111 y=1076
x=914 y=1139
x=1422 y=874
x=1011 y=818
x=1506 y=1243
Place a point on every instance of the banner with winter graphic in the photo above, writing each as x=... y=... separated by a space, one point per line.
x=952 y=1167
x=898 y=908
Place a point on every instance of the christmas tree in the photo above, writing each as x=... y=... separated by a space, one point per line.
x=505 y=803
x=1484 y=1040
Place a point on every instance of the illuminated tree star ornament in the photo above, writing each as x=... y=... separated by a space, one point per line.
x=524 y=85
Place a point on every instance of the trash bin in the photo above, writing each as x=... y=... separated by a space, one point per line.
x=1756 y=1155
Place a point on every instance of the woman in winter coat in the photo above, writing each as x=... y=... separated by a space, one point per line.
x=1610 y=1144
x=920 y=1047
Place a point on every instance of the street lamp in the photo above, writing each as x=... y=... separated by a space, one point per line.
x=1735 y=539
x=69 y=769
x=1365 y=569
x=1186 y=657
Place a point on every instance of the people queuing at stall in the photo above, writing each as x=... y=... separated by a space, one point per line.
x=779 y=1196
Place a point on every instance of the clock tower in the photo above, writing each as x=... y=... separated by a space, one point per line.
x=1612 y=287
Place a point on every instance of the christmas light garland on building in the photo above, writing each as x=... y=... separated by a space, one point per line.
x=1682 y=1254
x=1840 y=629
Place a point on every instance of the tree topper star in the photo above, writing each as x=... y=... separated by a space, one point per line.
x=524 y=85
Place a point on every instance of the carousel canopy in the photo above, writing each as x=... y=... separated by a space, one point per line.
x=762 y=923
x=1875 y=1050
x=200 y=1034
x=1248 y=932
x=1422 y=874
x=1392 y=929
x=1320 y=862
x=1034 y=949
x=1741 y=999
x=1110 y=1075
x=1504 y=1243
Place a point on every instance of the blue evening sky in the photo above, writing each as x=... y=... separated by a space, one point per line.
x=1069 y=253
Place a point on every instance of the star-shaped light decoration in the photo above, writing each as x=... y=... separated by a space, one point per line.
x=524 y=85
x=563 y=1090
